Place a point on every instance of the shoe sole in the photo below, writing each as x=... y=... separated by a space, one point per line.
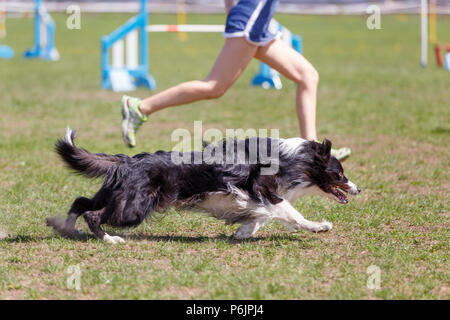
x=125 y=121
x=345 y=156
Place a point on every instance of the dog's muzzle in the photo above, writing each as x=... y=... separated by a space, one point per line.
x=352 y=188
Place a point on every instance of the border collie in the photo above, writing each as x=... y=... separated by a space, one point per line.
x=236 y=191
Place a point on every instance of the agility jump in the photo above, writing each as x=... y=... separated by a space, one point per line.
x=129 y=67
x=428 y=34
x=5 y=51
x=44 y=33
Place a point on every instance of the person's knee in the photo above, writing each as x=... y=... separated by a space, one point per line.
x=308 y=77
x=215 y=89
x=314 y=76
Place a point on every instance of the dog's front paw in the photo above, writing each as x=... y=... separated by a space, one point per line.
x=112 y=239
x=324 y=226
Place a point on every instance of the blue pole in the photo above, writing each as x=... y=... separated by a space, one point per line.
x=138 y=76
x=143 y=35
x=42 y=18
x=37 y=25
x=122 y=31
x=105 y=71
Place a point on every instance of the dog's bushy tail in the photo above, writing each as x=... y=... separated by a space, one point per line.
x=93 y=165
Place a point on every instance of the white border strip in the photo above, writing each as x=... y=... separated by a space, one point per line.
x=213 y=6
x=160 y=6
x=185 y=28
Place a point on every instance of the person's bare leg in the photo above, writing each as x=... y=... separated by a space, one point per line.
x=232 y=60
x=294 y=66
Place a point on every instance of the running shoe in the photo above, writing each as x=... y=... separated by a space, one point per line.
x=132 y=119
x=341 y=153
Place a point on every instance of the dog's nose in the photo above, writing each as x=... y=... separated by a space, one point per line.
x=358 y=189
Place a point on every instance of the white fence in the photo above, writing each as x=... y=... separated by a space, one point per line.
x=216 y=6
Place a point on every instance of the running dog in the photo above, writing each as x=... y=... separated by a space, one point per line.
x=260 y=181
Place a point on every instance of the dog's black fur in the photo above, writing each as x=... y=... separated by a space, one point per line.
x=134 y=187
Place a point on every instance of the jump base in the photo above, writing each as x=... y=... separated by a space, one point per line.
x=6 y=52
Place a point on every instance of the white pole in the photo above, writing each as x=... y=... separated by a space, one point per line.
x=43 y=37
x=117 y=54
x=424 y=33
x=131 y=45
x=185 y=28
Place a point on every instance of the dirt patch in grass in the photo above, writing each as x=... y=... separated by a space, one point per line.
x=11 y=294
x=408 y=148
x=162 y=264
x=371 y=146
x=6 y=185
x=3 y=234
x=408 y=165
x=445 y=214
x=440 y=190
x=183 y=292
x=442 y=292
x=403 y=225
x=20 y=126
x=97 y=95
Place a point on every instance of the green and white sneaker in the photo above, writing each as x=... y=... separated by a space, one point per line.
x=341 y=153
x=132 y=119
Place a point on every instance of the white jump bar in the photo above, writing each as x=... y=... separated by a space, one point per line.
x=185 y=28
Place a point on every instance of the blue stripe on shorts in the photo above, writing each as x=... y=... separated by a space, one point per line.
x=251 y=19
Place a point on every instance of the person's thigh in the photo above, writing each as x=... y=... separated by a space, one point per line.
x=285 y=60
x=232 y=60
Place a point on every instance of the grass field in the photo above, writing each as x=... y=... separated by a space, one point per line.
x=373 y=97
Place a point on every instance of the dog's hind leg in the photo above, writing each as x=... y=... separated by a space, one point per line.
x=287 y=214
x=248 y=230
x=94 y=221
x=67 y=227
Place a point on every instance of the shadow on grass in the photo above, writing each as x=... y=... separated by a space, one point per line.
x=221 y=237
x=28 y=239
x=164 y=238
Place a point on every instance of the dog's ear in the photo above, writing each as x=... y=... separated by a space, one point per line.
x=325 y=149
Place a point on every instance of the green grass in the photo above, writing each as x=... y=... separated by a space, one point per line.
x=373 y=97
